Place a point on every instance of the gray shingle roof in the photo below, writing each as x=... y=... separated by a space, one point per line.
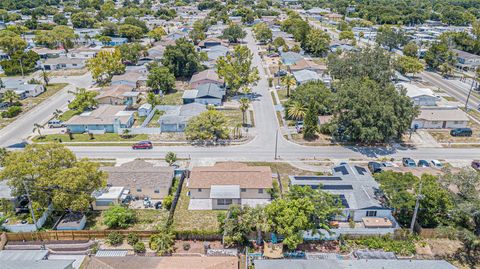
x=209 y=89
x=353 y=264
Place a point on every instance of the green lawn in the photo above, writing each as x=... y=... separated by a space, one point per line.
x=174 y=98
x=68 y=115
x=233 y=115
x=282 y=95
x=154 y=121
x=146 y=220
x=189 y=220
x=108 y=137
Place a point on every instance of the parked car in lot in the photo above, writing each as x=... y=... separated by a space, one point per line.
x=55 y=124
x=461 y=132
x=375 y=167
x=409 y=162
x=436 y=163
x=476 y=165
x=143 y=145
x=423 y=163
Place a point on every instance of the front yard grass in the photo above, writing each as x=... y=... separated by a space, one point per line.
x=107 y=137
x=234 y=116
x=191 y=220
x=173 y=98
x=154 y=121
x=68 y=115
x=146 y=220
x=31 y=102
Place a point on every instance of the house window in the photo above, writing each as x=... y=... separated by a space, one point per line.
x=156 y=191
x=103 y=203
x=139 y=189
x=260 y=190
x=199 y=190
x=244 y=190
x=371 y=213
x=224 y=201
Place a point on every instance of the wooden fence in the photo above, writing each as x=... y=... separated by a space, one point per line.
x=89 y=235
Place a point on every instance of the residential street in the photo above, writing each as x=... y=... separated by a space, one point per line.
x=21 y=128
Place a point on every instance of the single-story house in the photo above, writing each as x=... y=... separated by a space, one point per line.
x=207 y=94
x=156 y=52
x=131 y=78
x=211 y=42
x=341 y=47
x=466 y=60
x=224 y=184
x=204 y=77
x=440 y=118
x=419 y=96
x=46 y=53
x=120 y=94
x=177 y=262
x=62 y=62
x=177 y=35
x=176 y=118
x=304 y=76
x=144 y=110
x=104 y=119
x=28 y=259
x=307 y=65
x=22 y=88
x=141 y=178
x=356 y=189
x=352 y=264
x=215 y=52
x=83 y=53
x=290 y=57
x=105 y=198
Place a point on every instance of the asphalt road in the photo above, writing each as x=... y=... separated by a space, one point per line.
x=19 y=130
x=262 y=147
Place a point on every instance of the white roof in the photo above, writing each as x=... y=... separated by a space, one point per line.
x=414 y=91
x=109 y=193
x=442 y=114
x=225 y=191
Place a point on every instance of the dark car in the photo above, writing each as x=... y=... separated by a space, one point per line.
x=461 y=132
x=280 y=73
x=476 y=165
x=158 y=205
x=408 y=162
x=374 y=167
x=423 y=163
x=143 y=145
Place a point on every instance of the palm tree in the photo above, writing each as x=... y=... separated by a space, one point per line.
x=289 y=81
x=57 y=113
x=296 y=110
x=259 y=218
x=46 y=77
x=37 y=128
x=10 y=96
x=244 y=105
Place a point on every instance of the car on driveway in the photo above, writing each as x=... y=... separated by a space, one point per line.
x=374 y=167
x=143 y=145
x=436 y=163
x=476 y=165
x=409 y=162
x=461 y=132
x=423 y=163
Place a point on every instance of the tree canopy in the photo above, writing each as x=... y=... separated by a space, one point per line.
x=161 y=79
x=106 y=64
x=233 y=33
x=182 y=59
x=44 y=168
x=317 y=42
x=236 y=68
x=209 y=125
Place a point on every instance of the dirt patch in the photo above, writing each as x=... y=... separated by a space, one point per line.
x=194 y=247
x=322 y=246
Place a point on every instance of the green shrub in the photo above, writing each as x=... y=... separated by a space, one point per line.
x=118 y=217
x=132 y=239
x=186 y=246
x=11 y=112
x=115 y=238
x=139 y=247
x=385 y=243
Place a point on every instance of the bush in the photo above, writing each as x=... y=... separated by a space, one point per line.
x=186 y=246
x=118 y=217
x=11 y=112
x=114 y=238
x=132 y=239
x=139 y=247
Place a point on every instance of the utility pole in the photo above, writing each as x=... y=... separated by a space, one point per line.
x=276 y=144
x=30 y=204
x=470 y=92
x=417 y=205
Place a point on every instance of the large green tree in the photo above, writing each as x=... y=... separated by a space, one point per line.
x=236 y=68
x=317 y=43
x=209 y=125
x=182 y=59
x=20 y=63
x=82 y=20
x=83 y=100
x=315 y=91
x=131 y=52
x=11 y=42
x=161 y=79
x=233 y=33
x=118 y=216
x=106 y=64
x=391 y=38
x=43 y=168
x=131 y=32
x=369 y=112
x=409 y=65
x=262 y=32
